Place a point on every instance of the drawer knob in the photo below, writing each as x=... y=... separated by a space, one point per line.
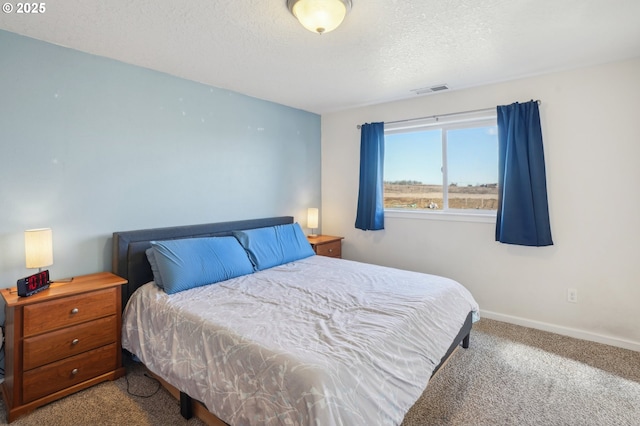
x=74 y=371
x=75 y=341
x=74 y=311
x=330 y=250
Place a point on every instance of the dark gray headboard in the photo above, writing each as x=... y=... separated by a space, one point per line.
x=130 y=260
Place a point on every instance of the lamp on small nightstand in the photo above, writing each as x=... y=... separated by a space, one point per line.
x=312 y=220
x=38 y=248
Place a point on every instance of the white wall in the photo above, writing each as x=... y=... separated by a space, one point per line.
x=591 y=131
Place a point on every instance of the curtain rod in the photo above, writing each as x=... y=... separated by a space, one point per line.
x=538 y=101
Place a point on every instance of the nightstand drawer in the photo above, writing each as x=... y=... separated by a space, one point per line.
x=49 y=347
x=332 y=249
x=41 y=317
x=45 y=380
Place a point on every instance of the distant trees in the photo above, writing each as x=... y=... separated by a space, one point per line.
x=451 y=185
x=403 y=182
x=477 y=185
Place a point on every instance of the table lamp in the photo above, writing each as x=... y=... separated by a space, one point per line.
x=312 y=220
x=38 y=247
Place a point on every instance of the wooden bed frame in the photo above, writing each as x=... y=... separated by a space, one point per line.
x=130 y=262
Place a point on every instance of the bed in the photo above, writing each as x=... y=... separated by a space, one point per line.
x=313 y=341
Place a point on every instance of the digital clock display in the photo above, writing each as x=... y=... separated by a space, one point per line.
x=33 y=283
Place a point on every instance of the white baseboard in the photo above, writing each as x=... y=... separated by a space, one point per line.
x=565 y=331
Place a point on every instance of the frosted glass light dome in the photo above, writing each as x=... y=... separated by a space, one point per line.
x=319 y=16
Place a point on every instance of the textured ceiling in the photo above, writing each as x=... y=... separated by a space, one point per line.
x=383 y=50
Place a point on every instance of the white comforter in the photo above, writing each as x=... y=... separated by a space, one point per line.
x=319 y=341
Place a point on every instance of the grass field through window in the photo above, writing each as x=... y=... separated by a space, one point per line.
x=422 y=196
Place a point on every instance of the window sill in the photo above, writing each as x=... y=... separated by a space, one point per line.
x=440 y=215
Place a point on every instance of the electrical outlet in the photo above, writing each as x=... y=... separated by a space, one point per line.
x=572 y=295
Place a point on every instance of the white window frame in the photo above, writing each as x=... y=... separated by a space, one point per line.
x=479 y=118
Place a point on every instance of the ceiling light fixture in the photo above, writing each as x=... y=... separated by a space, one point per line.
x=319 y=16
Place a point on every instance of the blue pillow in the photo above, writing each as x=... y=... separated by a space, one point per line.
x=194 y=262
x=275 y=245
x=154 y=267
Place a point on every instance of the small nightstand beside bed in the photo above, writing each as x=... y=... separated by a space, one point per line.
x=316 y=340
x=61 y=340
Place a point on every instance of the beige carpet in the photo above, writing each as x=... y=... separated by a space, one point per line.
x=513 y=375
x=510 y=375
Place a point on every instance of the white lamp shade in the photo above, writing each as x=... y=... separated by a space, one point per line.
x=38 y=247
x=312 y=218
x=319 y=16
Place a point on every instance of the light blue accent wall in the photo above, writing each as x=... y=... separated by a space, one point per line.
x=89 y=146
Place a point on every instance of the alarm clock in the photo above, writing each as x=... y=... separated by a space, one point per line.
x=32 y=284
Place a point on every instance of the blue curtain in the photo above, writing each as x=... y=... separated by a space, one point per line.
x=370 y=215
x=523 y=211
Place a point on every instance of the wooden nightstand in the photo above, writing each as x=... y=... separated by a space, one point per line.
x=61 y=340
x=327 y=245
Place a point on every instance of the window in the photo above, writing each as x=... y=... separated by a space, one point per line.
x=445 y=164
